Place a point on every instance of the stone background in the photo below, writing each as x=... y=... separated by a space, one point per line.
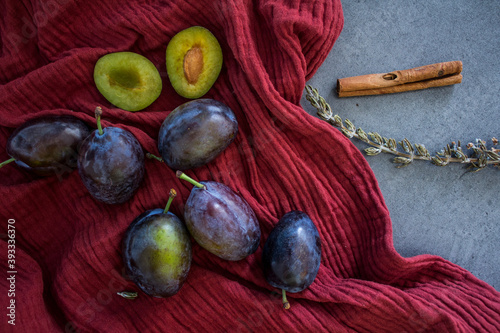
x=445 y=211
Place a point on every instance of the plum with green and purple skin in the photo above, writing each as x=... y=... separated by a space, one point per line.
x=220 y=220
x=292 y=254
x=111 y=163
x=47 y=145
x=157 y=251
x=195 y=133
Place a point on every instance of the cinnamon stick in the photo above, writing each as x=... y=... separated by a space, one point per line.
x=435 y=75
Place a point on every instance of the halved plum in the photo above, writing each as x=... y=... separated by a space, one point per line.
x=194 y=61
x=127 y=80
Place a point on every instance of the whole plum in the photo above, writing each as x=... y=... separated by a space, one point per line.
x=47 y=145
x=111 y=163
x=221 y=221
x=292 y=253
x=195 y=132
x=157 y=252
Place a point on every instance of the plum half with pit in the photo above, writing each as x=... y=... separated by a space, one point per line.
x=157 y=251
x=47 y=145
x=127 y=80
x=195 y=133
x=220 y=221
x=194 y=61
x=111 y=163
x=292 y=254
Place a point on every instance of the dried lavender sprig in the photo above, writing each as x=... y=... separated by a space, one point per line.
x=481 y=156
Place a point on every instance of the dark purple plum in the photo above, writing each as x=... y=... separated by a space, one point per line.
x=221 y=221
x=47 y=145
x=292 y=253
x=111 y=163
x=157 y=252
x=195 y=132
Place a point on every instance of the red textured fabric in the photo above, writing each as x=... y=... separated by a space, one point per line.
x=67 y=254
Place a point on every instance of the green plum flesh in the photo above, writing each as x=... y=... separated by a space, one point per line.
x=127 y=80
x=194 y=61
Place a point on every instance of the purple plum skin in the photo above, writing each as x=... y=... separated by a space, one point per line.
x=48 y=145
x=292 y=253
x=144 y=253
x=195 y=133
x=221 y=221
x=111 y=165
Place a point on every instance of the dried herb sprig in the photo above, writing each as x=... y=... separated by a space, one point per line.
x=479 y=159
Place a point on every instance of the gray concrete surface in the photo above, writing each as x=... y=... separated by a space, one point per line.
x=435 y=210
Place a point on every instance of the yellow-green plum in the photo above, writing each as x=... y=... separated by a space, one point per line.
x=157 y=252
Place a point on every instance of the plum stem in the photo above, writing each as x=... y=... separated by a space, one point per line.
x=152 y=156
x=286 y=305
x=10 y=160
x=171 y=197
x=128 y=294
x=98 y=114
x=183 y=176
